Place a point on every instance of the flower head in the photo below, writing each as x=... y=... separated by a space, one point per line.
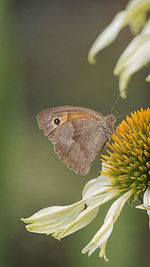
x=136 y=55
x=129 y=163
x=125 y=175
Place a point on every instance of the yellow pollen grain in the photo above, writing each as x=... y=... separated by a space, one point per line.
x=148 y=140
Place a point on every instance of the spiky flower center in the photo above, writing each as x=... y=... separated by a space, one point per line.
x=129 y=160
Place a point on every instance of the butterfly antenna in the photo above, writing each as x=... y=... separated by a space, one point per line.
x=122 y=115
x=117 y=99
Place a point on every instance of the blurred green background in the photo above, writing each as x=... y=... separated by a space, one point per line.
x=43 y=63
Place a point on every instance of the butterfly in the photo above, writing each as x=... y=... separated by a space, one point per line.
x=78 y=134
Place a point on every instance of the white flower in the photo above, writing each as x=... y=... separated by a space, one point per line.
x=60 y=221
x=125 y=174
x=137 y=54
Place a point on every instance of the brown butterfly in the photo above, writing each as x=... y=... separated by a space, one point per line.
x=77 y=133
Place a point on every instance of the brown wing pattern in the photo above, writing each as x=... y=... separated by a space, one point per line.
x=76 y=141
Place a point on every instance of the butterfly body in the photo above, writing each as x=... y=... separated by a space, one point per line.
x=77 y=133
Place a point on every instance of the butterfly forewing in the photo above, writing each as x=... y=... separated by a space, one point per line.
x=77 y=134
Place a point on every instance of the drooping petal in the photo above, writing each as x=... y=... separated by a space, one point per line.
x=134 y=45
x=107 y=36
x=129 y=53
x=135 y=14
x=139 y=59
x=101 y=237
x=49 y=220
x=84 y=218
x=89 y=213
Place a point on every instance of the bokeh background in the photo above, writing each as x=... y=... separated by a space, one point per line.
x=43 y=63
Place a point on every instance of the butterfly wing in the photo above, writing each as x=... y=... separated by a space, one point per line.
x=76 y=133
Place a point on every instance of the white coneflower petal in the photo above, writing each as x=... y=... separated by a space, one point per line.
x=107 y=36
x=50 y=219
x=139 y=59
x=96 y=186
x=131 y=60
x=105 y=231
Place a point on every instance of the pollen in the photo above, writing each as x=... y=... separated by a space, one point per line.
x=128 y=158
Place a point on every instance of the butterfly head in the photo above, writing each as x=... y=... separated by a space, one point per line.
x=110 y=124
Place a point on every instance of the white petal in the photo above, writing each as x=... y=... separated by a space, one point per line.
x=84 y=218
x=134 y=9
x=146 y=198
x=101 y=237
x=96 y=186
x=139 y=59
x=130 y=53
x=51 y=219
x=137 y=23
x=88 y=214
x=103 y=251
x=99 y=200
x=107 y=36
x=146 y=29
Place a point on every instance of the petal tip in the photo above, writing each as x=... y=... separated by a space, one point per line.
x=91 y=59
